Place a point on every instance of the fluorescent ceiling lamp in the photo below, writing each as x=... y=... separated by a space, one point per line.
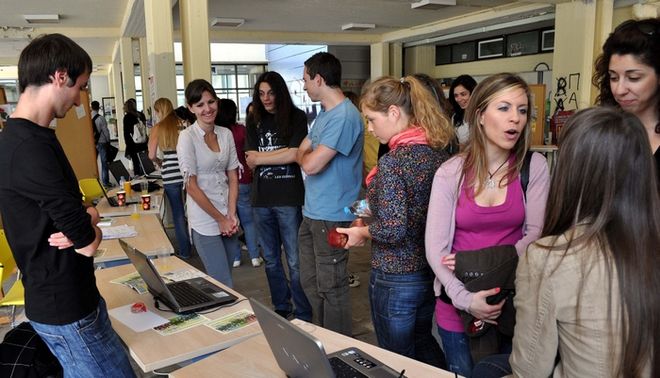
x=359 y=27
x=432 y=4
x=42 y=18
x=228 y=22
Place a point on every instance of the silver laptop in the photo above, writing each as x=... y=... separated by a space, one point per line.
x=301 y=355
x=192 y=295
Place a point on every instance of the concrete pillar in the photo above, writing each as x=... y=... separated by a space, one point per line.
x=115 y=72
x=144 y=76
x=380 y=60
x=195 y=46
x=160 y=48
x=577 y=39
x=127 y=69
x=396 y=59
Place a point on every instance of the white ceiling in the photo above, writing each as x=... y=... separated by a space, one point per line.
x=97 y=24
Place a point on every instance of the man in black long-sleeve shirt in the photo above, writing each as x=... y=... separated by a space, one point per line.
x=51 y=234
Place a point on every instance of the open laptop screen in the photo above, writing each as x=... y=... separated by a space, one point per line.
x=148 y=272
x=147 y=165
x=118 y=170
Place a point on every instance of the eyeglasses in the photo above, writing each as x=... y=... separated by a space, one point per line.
x=647 y=27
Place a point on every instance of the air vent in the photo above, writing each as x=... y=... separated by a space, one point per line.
x=42 y=18
x=432 y=4
x=228 y=22
x=357 y=27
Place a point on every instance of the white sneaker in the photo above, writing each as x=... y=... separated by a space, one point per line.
x=256 y=262
x=237 y=263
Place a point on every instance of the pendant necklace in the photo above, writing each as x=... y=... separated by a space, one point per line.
x=490 y=183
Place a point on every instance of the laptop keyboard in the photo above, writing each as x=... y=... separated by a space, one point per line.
x=186 y=295
x=344 y=370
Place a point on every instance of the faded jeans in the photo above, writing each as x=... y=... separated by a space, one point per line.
x=402 y=307
x=278 y=226
x=88 y=347
x=246 y=216
x=216 y=253
x=324 y=276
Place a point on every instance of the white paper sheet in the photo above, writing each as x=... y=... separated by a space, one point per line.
x=138 y=322
x=121 y=231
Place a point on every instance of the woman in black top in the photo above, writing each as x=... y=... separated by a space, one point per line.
x=131 y=119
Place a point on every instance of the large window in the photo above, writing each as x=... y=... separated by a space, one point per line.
x=233 y=81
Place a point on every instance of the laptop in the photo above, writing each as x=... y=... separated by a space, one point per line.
x=182 y=297
x=148 y=167
x=300 y=354
x=118 y=170
x=112 y=201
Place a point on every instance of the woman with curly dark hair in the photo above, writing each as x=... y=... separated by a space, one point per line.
x=628 y=75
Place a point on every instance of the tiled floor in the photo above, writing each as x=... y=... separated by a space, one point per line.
x=251 y=282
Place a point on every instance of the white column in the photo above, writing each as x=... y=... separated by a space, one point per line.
x=380 y=60
x=195 y=40
x=160 y=48
x=127 y=70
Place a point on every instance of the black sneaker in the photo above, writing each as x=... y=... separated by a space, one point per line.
x=285 y=314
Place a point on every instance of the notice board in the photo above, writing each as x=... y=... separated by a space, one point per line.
x=74 y=132
x=538 y=113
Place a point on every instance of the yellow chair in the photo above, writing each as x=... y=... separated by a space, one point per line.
x=91 y=189
x=15 y=296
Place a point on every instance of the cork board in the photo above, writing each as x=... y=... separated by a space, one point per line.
x=74 y=132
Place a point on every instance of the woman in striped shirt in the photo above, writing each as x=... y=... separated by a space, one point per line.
x=164 y=137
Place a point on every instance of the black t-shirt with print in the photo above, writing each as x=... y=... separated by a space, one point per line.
x=277 y=185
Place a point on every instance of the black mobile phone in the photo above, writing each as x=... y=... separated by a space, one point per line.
x=497 y=298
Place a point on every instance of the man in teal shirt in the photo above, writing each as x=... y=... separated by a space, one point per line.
x=331 y=157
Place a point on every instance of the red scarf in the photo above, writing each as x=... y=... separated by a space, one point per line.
x=412 y=135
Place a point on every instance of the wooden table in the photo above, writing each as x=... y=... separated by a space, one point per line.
x=150 y=240
x=253 y=358
x=149 y=349
x=105 y=210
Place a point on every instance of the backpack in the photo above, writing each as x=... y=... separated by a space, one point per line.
x=95 y=129
x=23 y=354
x=139 y=132
x=524 y=172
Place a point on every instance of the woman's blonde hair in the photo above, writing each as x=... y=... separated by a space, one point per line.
x=475 y=168
x=413 y=99
x=168 y=127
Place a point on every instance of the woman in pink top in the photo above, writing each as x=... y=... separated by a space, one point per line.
x=477 y=201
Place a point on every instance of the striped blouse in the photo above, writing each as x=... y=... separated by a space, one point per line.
x=170 y=168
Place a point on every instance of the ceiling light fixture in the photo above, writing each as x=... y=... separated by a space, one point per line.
x=228 y=22
x=357 y=27
x=432 y=4
x=42 y=18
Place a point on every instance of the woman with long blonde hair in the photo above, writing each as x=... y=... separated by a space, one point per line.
x=164 y=137
x=406 y=116
x=478 y=201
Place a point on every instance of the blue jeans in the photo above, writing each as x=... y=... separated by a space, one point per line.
x=244 y=210
x=174 y=193
x=402 y=307
x=216 y=252
x=277 y=226
x=494 y=366
x=324 y=276
x=457 y=351
x=102 y=149
x=88 y=347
